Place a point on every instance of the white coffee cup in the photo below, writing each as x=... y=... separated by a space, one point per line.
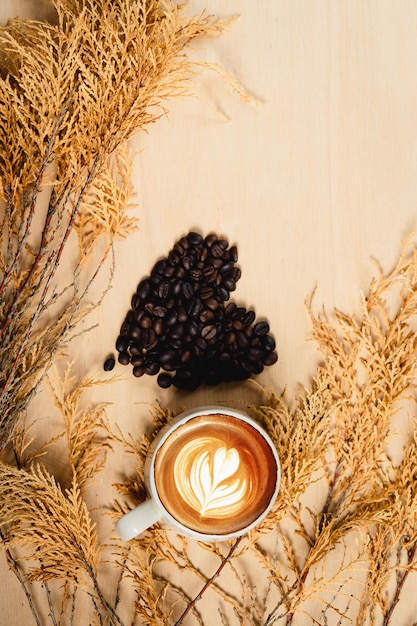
x=212 y=474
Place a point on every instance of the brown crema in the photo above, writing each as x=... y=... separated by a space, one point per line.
x=215 y=474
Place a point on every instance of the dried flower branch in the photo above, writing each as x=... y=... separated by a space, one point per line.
x=73 y=93
x=45 y=517
x=210 y=581
x=86 y=427
x=341 y=540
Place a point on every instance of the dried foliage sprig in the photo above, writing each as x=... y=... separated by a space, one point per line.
x=45 y=518
x=341 y=541
x=72 y=92
x=86 y=427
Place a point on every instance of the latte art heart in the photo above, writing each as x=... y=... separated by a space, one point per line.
x=215 y=474
x=210 y=477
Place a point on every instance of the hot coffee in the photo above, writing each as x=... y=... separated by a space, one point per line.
x=215 y=474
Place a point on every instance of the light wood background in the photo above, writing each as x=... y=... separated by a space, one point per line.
x=310 y=183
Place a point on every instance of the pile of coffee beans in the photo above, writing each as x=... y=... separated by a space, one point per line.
x=182 y=326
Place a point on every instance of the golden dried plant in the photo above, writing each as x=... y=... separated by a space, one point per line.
x=338 y=546
x=341 y=541
x=72 y=92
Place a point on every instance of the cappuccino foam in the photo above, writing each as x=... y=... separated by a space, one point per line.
x=215 y=474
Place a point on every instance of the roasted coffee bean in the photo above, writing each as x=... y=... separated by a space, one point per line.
x=206 y=315
x=170 y=303
x=229 y=284
x=193 y=329
x=200 y=344
x=233 y=254
x=239 y=312
x=137 y=359
x=230 y=307
x=125 y=329
x=187 y=290
x=210 y=239
x=256 y=367
x=170 y=366
x=179 y=249
x=148 y=338
x=167 y=358
x=145 y=322
x=254 y=353
x=138 y=371
x=130 y=316
x=268 y=343
x=156 y=279
x=159 y=311
x=185 y=356
x=202 y=254
x=174 y=257
x=231 y=337
x=163 y=290
x=216 y=262
x=109 y=363
x=151 y=368
x=187 y=263
x=248 y=318
x=195 y=239
x=209 y=274
x=135 y=349
x=171 y=317
x=208 y=332
x=227 y=324
x=195 y=274
x=212 y=304
x=143 y=289
x=186 y=380
x=194 y=307
x=175 y=287
x=158 y=268
x=184 y=243
x=169 y=271
x=164 y=380
x=149 y=307
x=236 y=273
x=226 y=268
x=176 y=331
x=135 y=302
x=261 y=328
x=158 y=326
x=135 y=332
x=182 y=314
x=242 y=340
x=180 y=272
x=124 y=358
x=223 y=293
x=233 y=348
x=216 y=250
x=206 y=292
x=176 y=344
x=248 y=330
x=122 y=343
x=270 y=358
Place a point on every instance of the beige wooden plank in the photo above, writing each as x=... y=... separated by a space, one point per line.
x=310 y=183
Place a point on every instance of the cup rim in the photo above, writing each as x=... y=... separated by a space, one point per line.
x=165 y=433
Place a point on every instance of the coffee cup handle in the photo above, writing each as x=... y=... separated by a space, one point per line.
x=138 y=519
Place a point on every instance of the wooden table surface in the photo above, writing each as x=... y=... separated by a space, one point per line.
x=311 y=181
